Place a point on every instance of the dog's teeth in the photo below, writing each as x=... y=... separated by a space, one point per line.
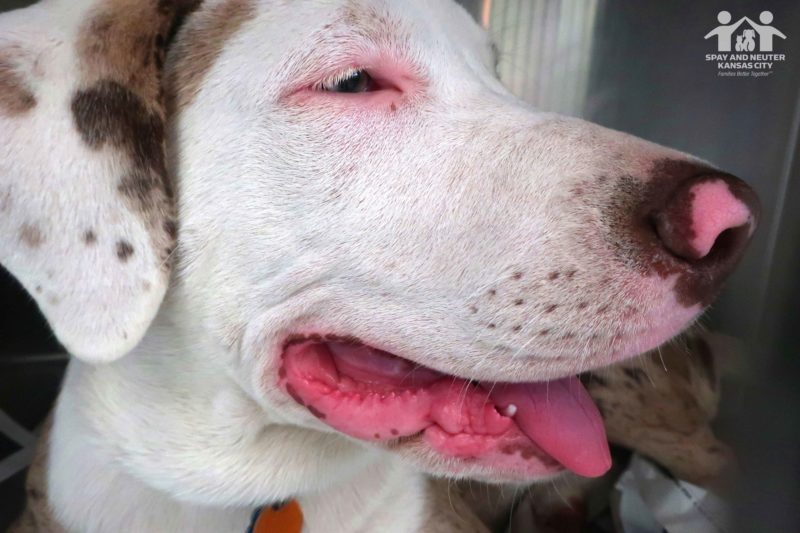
x=509 y=410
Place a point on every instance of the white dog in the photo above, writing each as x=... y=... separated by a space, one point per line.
x=387 y=267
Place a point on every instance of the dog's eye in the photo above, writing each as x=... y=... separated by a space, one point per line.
x=349 y=81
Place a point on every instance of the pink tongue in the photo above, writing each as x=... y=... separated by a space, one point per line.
x=561 y=418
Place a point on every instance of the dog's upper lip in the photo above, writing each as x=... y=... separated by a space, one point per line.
x=373 y=395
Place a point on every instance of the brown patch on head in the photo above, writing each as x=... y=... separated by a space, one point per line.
x=124 y=250
x=31 y=235
x=550 y=308
x=199 y=45
x=553 y=276
x=16 y=97
x=125 y=40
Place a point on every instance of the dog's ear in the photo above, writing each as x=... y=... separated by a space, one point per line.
x=87 y=217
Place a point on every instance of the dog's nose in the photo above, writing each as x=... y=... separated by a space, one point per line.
x=708 y=219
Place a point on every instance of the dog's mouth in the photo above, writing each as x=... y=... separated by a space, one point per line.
x=524 y=429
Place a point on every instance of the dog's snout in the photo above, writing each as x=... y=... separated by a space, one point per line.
x=707 y=219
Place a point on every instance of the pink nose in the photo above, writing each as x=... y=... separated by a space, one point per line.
x=708 y=218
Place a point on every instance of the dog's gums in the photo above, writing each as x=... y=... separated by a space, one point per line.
x=530 y=428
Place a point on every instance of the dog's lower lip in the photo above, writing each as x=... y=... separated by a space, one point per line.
x=373 y=395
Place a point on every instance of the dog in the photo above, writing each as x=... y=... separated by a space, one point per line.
x=339 y=258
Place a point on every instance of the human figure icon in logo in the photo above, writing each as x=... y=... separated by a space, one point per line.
x=765 y=31
x=724 y=31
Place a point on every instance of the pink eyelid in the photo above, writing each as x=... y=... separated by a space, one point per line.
x=394 y=84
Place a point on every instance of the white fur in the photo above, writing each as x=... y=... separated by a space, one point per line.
x=394 y=226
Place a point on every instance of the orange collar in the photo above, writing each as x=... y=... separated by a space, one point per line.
x=280 y=518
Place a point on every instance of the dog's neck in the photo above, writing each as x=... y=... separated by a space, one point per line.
x=169 y=420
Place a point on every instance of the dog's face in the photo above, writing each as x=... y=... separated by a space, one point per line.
x=369 y=188
x=382 y=239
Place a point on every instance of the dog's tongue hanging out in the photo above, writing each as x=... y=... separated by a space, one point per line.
x=535 y=428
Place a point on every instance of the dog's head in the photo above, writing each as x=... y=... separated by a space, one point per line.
x=378 y=237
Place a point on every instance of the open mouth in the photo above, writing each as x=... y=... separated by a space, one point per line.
x=530 y=429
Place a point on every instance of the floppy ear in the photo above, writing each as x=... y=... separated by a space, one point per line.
x=87 y=222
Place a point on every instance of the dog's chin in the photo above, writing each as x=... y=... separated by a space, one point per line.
x=446 y=424
x=522 y=465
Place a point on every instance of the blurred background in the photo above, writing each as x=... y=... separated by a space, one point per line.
x=638 y=66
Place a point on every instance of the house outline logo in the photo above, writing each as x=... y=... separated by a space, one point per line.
x=745 y=41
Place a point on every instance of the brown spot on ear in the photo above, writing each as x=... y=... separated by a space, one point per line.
x=550 y=308
x=519 y=301
x=198 y=46
x=171 y=228
x=31 y=235
x=109 y=114
x=553 y=275
x=89 y=237
x=15 y=95
x=120 y=48
x=124 y=250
